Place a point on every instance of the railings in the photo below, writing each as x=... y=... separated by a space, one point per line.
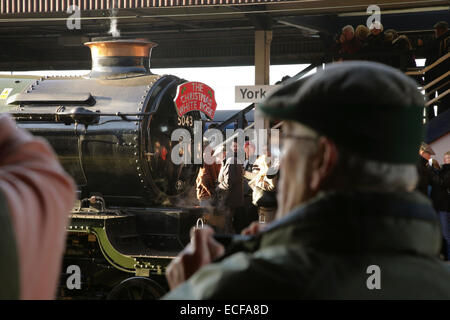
x=430 y=87
x=239 y=117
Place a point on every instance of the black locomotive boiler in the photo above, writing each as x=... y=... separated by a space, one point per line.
x=112 y=132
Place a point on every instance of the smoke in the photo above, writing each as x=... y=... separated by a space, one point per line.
x=113 y=21
x=188 y=198
x=215 y=216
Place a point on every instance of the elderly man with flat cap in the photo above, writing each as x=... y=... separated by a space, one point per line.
x=349 y=224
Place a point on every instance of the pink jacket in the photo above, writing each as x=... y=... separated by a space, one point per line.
x=40 y=196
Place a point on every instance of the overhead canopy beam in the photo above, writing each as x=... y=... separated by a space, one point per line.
x=289 y=24
x=55 y=6
x=199 y=35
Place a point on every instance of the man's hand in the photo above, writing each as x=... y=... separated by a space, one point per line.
x=202 y=250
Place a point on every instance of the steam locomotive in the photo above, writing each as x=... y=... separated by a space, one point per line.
x=112 y=132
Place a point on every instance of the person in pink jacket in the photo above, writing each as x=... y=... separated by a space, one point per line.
x=36 y=195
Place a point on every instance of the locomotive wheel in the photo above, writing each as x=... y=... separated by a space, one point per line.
x=136 y=288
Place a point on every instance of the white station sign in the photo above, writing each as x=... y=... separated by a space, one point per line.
x=252 y=93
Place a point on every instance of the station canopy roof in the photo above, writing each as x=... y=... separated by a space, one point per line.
x=43 y=34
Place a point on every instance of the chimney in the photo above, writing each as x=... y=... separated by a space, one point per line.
x=119 y=57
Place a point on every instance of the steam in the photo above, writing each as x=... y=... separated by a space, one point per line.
x=213 y=216
x=113 y=22
x=188 y=198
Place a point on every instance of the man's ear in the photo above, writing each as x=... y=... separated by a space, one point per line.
x=325 y=162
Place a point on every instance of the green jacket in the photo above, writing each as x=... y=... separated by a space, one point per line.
x=325 y=250
x=9 y=266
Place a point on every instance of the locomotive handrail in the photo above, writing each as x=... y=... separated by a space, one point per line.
x=117 y=114
x=84 y=98
x=76 y=117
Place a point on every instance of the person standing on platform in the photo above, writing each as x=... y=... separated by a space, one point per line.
x=230 y=187
x=350 y=45
x=264 y=185
x=444 y=201
x=251 y=211
x=430 y=185
x=207 y=180
x=250 y=156
x=428 y=172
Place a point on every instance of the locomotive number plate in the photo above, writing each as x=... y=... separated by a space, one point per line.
x=186 y=121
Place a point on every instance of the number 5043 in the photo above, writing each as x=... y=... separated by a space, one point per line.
x=186 y=121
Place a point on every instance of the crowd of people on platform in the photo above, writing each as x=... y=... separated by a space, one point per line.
x=373 y=43
x=241 y=190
